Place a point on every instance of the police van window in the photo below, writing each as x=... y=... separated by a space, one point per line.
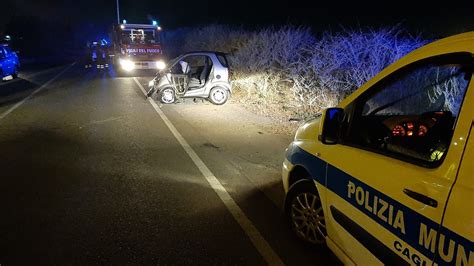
x=412 y=114
x=140 y=36
x=154 y=37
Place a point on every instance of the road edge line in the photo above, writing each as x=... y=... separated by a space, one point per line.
x=18 y=104
x=259 y=242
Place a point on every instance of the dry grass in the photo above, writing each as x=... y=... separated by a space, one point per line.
x=289 y=72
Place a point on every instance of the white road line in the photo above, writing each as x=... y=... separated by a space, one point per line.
x=252 y=232
x=18 y=104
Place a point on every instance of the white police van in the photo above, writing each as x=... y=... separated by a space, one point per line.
x=9 y=63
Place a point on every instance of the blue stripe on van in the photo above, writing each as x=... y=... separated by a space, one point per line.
x=337 y=182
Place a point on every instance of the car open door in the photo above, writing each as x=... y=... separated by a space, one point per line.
x=179 y=76
x=179 y=82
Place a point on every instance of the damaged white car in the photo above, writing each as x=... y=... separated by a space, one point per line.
x=193 y=75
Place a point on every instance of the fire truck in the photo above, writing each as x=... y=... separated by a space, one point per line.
x=136 y=46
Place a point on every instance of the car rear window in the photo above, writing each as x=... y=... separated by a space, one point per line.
x=223 y=60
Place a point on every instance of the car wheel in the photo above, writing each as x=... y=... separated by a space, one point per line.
x=304 y=212
x=219 y=96
x=167 y=96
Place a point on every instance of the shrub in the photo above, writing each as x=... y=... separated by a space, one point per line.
x=289 y=69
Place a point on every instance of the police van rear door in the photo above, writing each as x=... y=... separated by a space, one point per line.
x=390 y=180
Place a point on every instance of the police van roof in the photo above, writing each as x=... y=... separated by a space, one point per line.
x=137 y=26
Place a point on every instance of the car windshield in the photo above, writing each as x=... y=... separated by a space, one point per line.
x=173 y=61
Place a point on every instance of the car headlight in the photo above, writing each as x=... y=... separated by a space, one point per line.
x=160 y=65
x=127 y=65
x=151 y=83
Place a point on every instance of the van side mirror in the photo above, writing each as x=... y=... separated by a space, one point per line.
x=331 y=125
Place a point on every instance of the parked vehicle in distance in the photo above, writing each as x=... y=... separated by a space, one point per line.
x=9 y=63
x=136 y=46
x=387 y=176
x=193 y=75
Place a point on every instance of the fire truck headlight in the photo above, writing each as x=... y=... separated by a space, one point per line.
x=127 y=65
x=160 y=65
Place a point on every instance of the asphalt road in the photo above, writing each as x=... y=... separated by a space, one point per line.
x=91 y=174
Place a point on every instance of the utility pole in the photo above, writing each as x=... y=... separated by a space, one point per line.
x=118 y=12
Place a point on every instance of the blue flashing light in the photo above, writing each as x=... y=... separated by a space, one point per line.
x=124 y=21
x=155 y=23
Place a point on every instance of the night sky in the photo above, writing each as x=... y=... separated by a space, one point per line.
x=432 y=19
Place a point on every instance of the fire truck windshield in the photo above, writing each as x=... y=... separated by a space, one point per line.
x=140 y=36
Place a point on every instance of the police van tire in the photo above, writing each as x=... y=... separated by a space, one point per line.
x=304 y=212
x=219 y=95
x=120 y=72
x=167 y=96
x=15 y=73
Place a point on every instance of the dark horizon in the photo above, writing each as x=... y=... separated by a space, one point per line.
x=56 y=27
x=431 y=20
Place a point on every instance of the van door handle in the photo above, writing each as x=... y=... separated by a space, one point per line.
x=421 y=198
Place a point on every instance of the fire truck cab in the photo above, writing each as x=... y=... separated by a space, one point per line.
x=136 y=46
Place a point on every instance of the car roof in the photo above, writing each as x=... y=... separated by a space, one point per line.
x=458 y=38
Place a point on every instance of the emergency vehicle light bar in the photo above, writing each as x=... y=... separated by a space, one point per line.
x=137 y=26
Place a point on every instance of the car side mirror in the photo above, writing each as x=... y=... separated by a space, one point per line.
x=331 y=125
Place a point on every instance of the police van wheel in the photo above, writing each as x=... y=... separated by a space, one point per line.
x=15 y=73
x=167 y=96
x=304 y=212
